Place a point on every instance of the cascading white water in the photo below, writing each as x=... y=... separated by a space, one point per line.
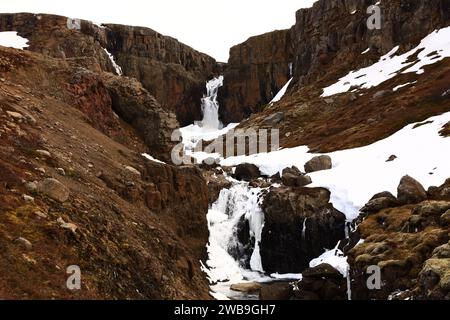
x=210 y=106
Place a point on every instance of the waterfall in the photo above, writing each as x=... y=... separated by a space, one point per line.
x=234 y=204
x=210 y=105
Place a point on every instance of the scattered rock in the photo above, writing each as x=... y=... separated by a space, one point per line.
x=54 y=189
x=379 y=202
x=31 y=187
x=246 y=172
x=28 y=199
x=15 y=115
x=291 y=180
x=61 y=171
x=132 y=170
x=40 y=170
x=23 y=243
x=44 y=153
x=66 y=225
x=318 y=163
x=40 y=214
x=445 y=218
x=391 y=158
x=410 y=191
x=274 y=119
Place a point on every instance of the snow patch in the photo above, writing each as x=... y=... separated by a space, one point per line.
x=359 y=173
x=433 y=48
x=281 y=93
x=149 y=157
x=12 y=40
x=335 y=258
x=403 y=85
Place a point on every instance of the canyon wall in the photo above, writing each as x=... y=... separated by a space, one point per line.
x=174 y=73
x=256 y=71
x=327 y=38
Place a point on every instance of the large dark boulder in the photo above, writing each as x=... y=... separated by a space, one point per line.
x=247 y=172
x=410 y=191
x=318 y=164
x=299 y=224
x=322 y=283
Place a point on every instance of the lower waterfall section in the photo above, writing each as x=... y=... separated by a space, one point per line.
x=235 y=216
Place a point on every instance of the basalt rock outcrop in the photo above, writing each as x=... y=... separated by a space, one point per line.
x=143 y=112
x=299 y=224
x=80 y=41
x=333 y=32
x=325 y=43
x=257 y=69
x=174 y=73
x=171 y=71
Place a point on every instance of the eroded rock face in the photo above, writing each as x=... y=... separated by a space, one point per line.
x=174 y=73
x=141 y=110
x=299 y=224
x=51 y=36
x=331 y=31
x=326 y=38
x=256 y=71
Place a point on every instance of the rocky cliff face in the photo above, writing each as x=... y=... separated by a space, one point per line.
x=333 y=32
x=172 y=72
x=50 y=35
x=256 y=71
x=326 y=41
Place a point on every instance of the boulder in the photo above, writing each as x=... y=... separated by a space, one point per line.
x=246 y=172
x=276 y=292
x=291 y=180
x=54 y=190
x=299 y=224
x=274 y=119
x=318 y=163
x=379 y=202
x=410 y=191
x=322 y=282
x=250 y=287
